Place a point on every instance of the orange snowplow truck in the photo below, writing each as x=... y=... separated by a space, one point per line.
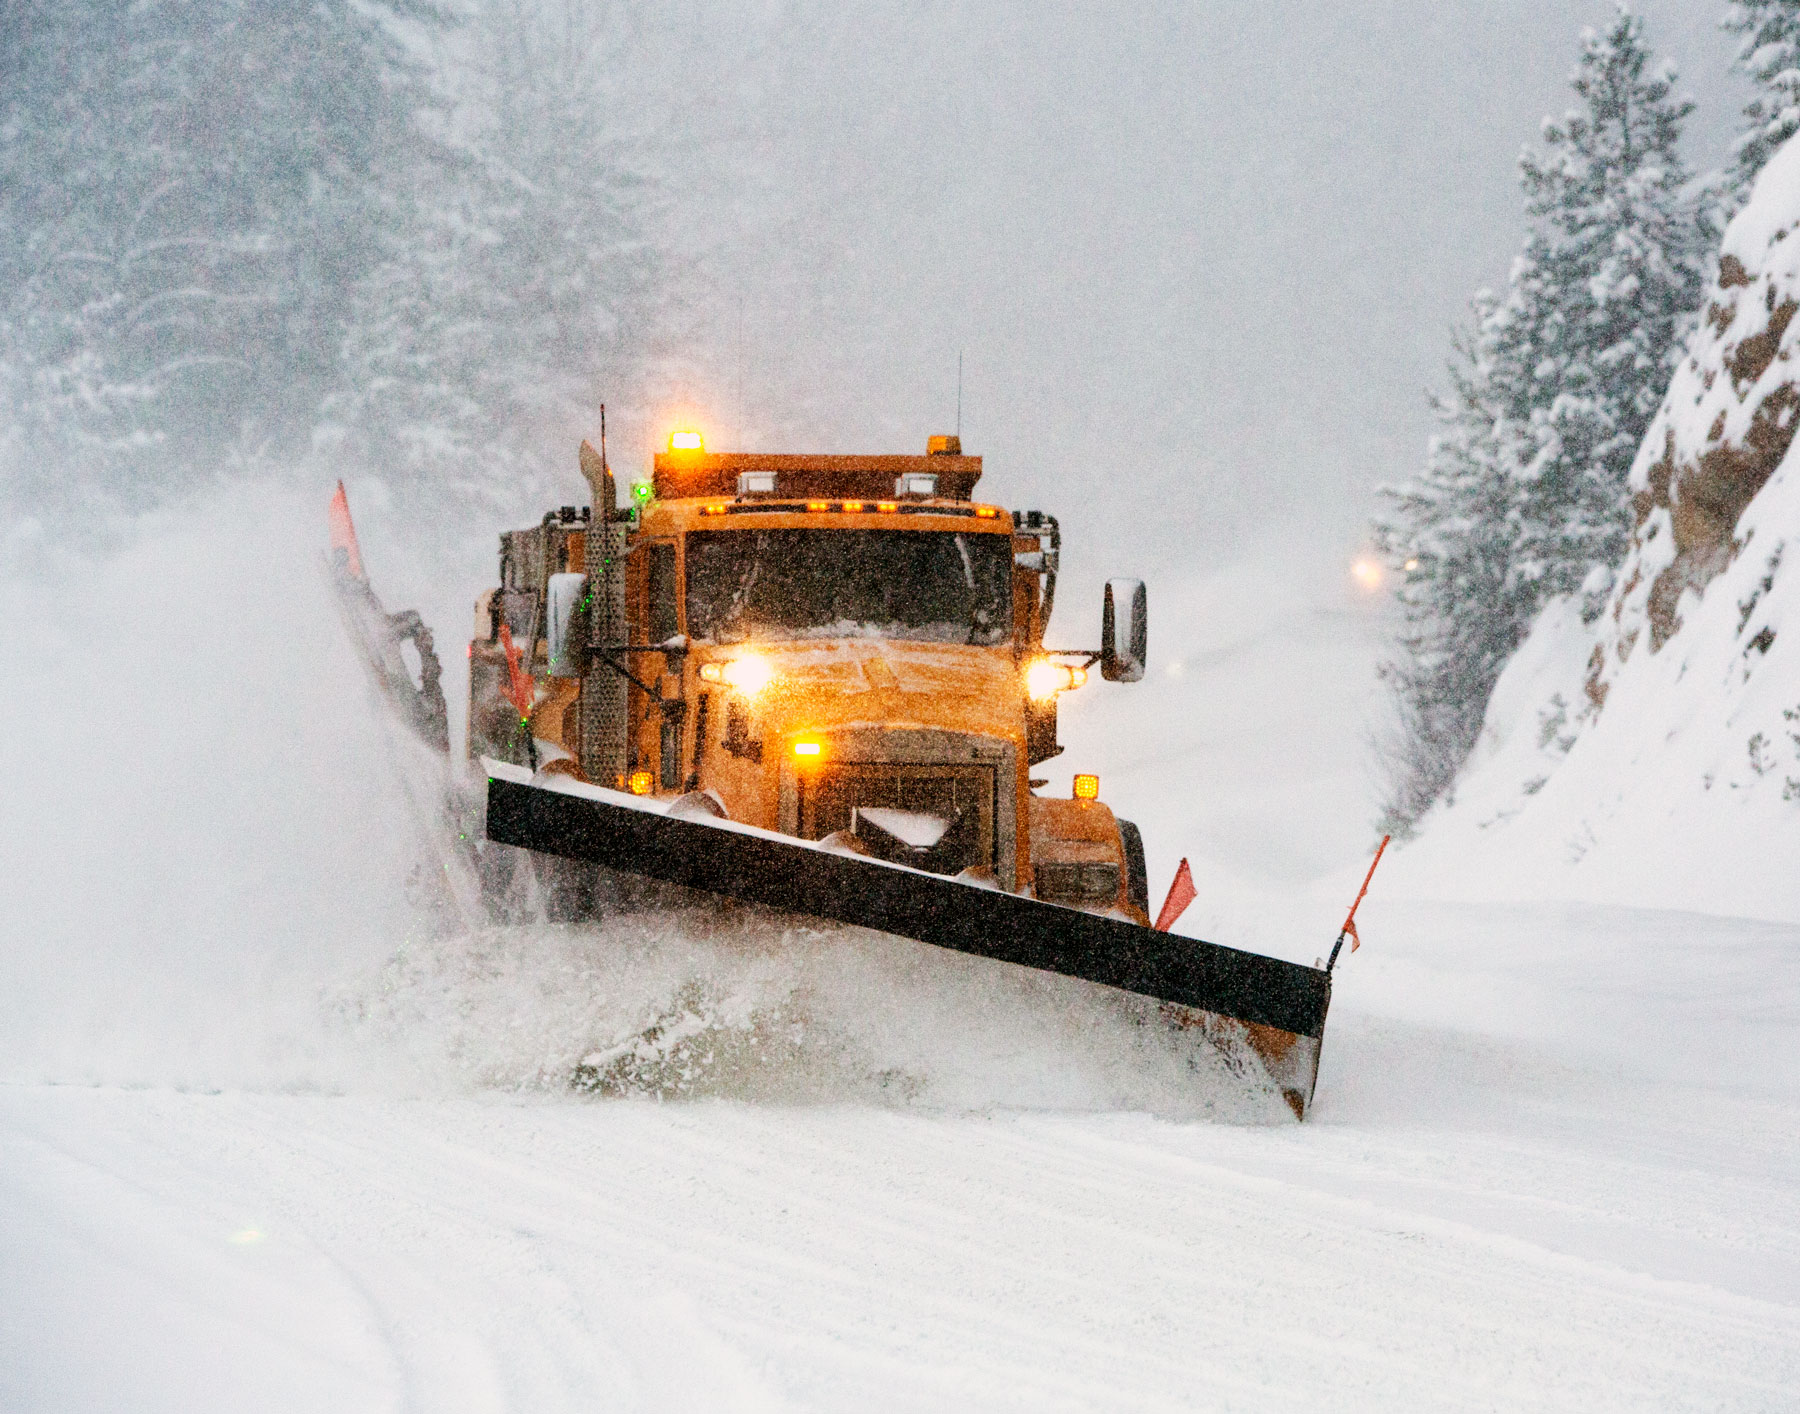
x=844 y=649
x=813 y=684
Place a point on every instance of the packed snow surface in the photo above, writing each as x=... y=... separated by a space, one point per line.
x=272 y=1139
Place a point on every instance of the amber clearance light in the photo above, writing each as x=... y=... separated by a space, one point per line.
x=1087 y=787
x=642 y=782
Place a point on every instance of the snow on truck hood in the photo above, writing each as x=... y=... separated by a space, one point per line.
x=840 y=681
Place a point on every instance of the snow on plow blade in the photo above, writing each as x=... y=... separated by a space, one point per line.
x=1279 y=1006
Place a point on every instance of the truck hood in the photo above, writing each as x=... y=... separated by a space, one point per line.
x=844 y=682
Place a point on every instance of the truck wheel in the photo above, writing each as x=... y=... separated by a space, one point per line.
x=1137 y=880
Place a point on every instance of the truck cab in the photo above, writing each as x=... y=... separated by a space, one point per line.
x=847 y=649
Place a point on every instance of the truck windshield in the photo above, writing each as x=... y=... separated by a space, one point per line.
x=930 y=586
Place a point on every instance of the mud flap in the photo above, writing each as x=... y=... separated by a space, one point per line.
x=1277 y=1008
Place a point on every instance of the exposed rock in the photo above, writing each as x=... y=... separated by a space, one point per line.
x=1716 y=440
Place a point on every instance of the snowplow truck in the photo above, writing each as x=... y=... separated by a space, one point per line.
x=822 y=683
x=840 y=649
x=819 y=684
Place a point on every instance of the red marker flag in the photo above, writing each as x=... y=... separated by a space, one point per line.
x=519 y=684
x=343 y=533
x=1181 y=893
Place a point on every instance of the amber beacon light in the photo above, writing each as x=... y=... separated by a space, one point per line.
x=1087 y=787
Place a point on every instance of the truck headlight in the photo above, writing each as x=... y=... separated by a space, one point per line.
x=1046 y=677
x=749 y=674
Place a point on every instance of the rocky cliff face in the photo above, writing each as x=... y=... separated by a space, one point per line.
x=1654 y=755
x=1725 y=426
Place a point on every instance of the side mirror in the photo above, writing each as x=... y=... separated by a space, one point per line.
x=1124 y=648
x=563 y=601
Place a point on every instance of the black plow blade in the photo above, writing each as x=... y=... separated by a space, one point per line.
x=1277 y=1007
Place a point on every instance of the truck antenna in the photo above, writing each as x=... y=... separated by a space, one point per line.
x=603 y=465
x=959 y=354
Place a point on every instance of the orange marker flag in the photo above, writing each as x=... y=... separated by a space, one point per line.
x=1349 y=928
x=1181 y=893
x=343 y=533
x=519 y=683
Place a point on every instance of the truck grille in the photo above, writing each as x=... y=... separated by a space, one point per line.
x=827 y=798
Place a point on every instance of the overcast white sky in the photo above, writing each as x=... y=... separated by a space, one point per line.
x=1209 y=253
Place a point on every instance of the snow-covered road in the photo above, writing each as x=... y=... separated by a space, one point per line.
x=266 y=1144
x=1492 y=1214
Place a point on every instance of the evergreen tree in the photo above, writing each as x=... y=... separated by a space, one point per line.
x=189 y=192
x=1523 y=496
x=1449 y=535
x=1769 y=52
x=1624 y=241
x=523 y=286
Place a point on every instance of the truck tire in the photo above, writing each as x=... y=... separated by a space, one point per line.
x=1137 y=880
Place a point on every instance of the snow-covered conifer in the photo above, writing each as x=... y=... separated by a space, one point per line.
x=1523 y=497
x=189 y=195
x=1449 y=535
x=517 y=291
x=1769 y=53
x=1624 y=240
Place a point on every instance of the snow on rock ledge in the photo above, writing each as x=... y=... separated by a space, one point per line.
x=1654 y=756
x=1725 y=426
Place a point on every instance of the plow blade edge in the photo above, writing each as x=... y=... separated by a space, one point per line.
x=1280 y=1006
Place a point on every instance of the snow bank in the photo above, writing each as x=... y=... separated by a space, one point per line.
x=1653 y=757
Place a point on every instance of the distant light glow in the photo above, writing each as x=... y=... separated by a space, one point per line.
x=1367 y=573
x=1087 y=787
x=245 y=1236
x=1411 y=565
x=686 y=440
